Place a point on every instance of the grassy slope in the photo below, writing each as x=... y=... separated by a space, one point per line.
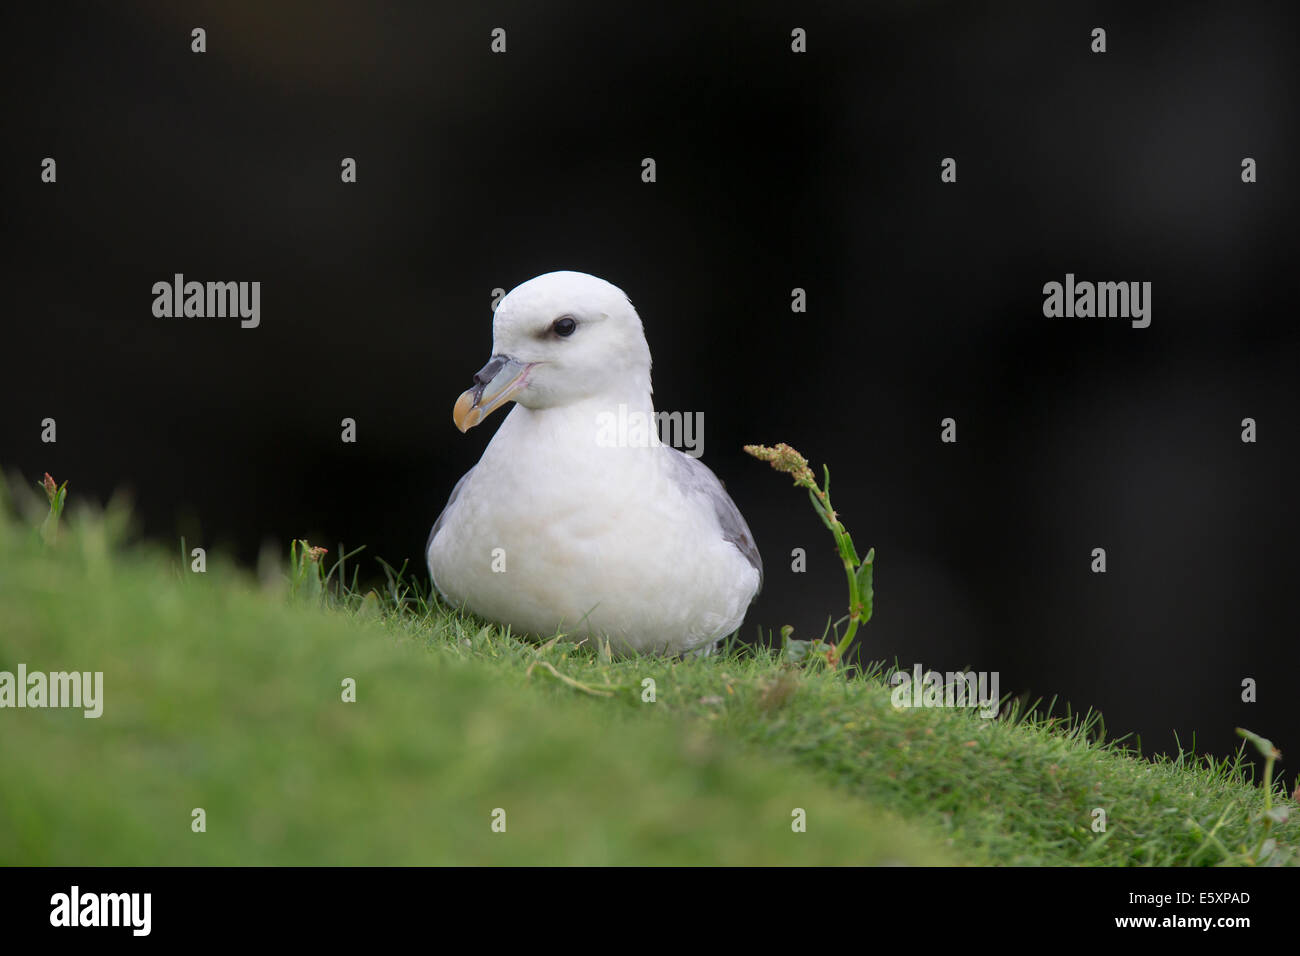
x=223 y=694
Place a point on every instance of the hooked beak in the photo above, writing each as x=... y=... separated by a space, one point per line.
x=495 y=383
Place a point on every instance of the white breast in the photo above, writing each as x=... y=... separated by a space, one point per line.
x=591 y=539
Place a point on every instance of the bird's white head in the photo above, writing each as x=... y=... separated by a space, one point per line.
x=557 y=339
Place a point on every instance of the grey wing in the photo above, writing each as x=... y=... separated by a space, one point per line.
x=695 y=477
x=437 y=525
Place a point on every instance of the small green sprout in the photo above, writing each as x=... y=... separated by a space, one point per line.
x=306 y=571
x=1279 y=814
x=56 y=494
x=857 y=571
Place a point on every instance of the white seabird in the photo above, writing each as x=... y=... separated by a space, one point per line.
x=558 y=529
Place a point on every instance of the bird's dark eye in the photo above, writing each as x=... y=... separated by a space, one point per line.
x=564 y=325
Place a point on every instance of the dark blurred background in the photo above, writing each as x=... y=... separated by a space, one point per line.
x=775 y=171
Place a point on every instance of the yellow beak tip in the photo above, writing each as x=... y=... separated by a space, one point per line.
x=464 y=414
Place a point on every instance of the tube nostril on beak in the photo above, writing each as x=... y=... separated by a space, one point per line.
x=490 y=370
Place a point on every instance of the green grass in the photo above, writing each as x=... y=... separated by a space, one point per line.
x=223 y=690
